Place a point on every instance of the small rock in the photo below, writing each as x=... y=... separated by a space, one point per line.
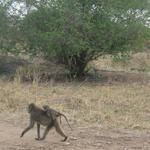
x=66 y=143
x=73 y=138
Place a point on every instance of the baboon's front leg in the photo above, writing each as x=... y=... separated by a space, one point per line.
x=38 y=132
x=28 y=128
x=46 y=131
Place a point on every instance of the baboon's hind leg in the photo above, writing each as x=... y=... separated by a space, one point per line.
x=59 y=130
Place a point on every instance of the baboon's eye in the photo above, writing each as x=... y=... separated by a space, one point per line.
x=29 y=109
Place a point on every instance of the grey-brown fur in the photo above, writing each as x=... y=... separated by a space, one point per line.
x=40 y=117
x=53 y=114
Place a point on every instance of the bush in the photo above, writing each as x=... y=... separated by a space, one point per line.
x=78 y=31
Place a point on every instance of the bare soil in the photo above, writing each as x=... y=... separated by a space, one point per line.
x=83 y=137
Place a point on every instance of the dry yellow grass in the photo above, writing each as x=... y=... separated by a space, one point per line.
x=122 y=105
x=111 y=105
x=139 y=62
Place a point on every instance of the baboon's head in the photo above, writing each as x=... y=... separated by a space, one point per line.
x=45 y=107
x=31 y=107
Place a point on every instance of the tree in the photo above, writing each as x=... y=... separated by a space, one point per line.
x=9 y=28
x=3 y=27
x=78 y=31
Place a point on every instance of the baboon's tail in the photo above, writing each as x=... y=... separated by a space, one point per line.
x=66 y=120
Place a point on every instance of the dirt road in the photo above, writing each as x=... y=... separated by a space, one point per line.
x=81 y=138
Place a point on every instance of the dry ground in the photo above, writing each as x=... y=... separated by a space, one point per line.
x=82 y=138
x=103 y=116
x=108 y=113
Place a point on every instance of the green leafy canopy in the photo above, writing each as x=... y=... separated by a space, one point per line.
x=78 y=31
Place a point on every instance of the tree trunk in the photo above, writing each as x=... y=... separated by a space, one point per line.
x=77 y=65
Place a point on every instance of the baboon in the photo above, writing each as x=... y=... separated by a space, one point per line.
x=40 y=117
x=53 y=114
